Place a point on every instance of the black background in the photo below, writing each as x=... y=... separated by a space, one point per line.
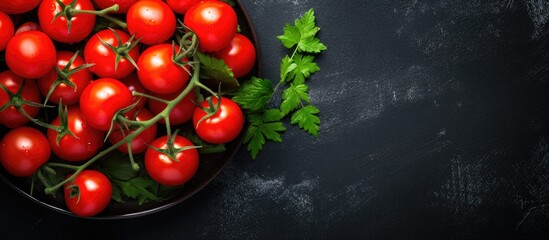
x=434 y=126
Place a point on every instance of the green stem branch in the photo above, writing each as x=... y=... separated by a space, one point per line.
x=128 y=139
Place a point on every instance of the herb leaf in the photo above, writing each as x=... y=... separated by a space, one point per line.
x=304 y=67
x=254 y=94
x=262 y=127
x=291 y=36
x=207 y=148
x=214 y=71
x=312 y=45
x=303 y=34
x=286 y=67
x=307 y=119
x=292 y=97
x=130 y=184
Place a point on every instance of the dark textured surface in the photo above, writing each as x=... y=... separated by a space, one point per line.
x=434 y=126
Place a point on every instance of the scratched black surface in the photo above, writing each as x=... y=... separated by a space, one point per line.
x=434 y=126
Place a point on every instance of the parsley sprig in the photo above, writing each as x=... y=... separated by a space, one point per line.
x=256 y=94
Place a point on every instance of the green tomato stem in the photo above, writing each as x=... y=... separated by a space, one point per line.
x=129 y=138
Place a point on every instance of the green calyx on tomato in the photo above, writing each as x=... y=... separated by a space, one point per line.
x=123 y=48
x=64 y=76
x=69 y=22
x=19 y=98
x=171 y=150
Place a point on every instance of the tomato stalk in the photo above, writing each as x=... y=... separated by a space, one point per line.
x=63 y=75
x=122 y=50
x=16 y=100
x=69 y=10
x=142 y=126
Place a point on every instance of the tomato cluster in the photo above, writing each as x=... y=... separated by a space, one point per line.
x=116 y=82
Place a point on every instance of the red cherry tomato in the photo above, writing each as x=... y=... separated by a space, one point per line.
x=6 y=30
x=157 y=71
x=95 y=191
x=11 y=117
x=214 y=22
x=18 y=6
x=67 y=93
x=101 y=100
x=152 y=21
x=123 y=5
x=139 y=143
x=58 y=28
x=222 y=127
x=28 y=26
x=23 y=151
x=104 y=58
x=181 y=113
x=181 y=6
x=239 y=55
x=133 y=84
x=31 y=54
x=165 y=170
x=87 y=143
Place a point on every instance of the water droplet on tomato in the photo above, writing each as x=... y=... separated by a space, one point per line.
x=90 y=146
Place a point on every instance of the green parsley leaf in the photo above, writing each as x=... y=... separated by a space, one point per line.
x=303 y=34
x=306 y=25
x=117 y=166
x=117 y=194
x=207 y=148
x=305 y=66
x=266 y=126
x=312 y=45
x=272 y=115
x=307 y=119
x=292 y=97
x=136 y=188
x=214 y=71
x=291 y=36
x=286 y=67
x=254 y=94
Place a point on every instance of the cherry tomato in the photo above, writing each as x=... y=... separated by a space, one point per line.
x=133 y=84
x=23 y=151
x=181 y=6
x=123 y=5
x=104 y=57
x=139 y=143
x=31 y=54
x=6 y=30
x=11 y=117
x=58 y=28
x=239 y=55
x=95 y=191
x=87 y=143
x=222 y=127
x=81 y=79
x=157 y=71
x=28 y=26
x=214 y=22
x=18 y=6
x=101 y=100
x=165 y=170
x=181 y=113
x=152 y=21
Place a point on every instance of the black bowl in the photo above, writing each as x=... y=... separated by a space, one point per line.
x=210 y=165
